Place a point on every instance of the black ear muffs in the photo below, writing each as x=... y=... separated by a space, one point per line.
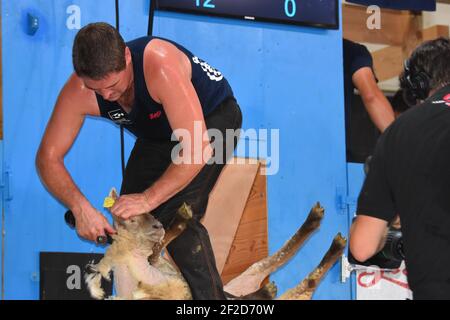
x=417 y=83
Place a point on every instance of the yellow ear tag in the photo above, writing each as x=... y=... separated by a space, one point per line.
x=109 y=202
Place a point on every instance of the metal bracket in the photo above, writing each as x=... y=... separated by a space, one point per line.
x=346 y=269
x=343 y=200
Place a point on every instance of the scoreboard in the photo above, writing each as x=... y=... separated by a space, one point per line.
x=316 y=13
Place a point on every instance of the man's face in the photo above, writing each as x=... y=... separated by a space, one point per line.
x=112 y=87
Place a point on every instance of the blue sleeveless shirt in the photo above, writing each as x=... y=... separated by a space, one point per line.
x=147 y=118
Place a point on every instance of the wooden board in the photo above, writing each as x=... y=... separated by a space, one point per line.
x=396 y=25
x=388 y=62
x=251 y=240
x=227 y=202
x=434 y=32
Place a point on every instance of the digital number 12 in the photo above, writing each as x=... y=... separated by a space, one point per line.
x=206 y=4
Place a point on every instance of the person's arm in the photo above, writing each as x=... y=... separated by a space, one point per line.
x=376 y=206
x=73 y=103
x=168 y=77
x=367 y=236
x=377 y=105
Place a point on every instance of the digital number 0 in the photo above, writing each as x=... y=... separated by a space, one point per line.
x=292 y=12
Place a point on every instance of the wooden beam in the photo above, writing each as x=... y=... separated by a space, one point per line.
x=396 y=25
x=251 y=240
x=227 y=202
x=388 y=62
x=435 y=32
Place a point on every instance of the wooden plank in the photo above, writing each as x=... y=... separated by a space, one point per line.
x=435 y=32
x=416 y=37
x=226 y=205
x=395 y=25
x=388 y=62
x=251 y=241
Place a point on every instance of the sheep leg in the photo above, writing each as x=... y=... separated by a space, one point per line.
x=250 y=280
x=182 y=218
x=306 y=288
x=93 y=278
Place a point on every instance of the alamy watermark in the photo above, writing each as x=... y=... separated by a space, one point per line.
x=259 y=144
x=73 y=21
x=74 y=280
x=374 y=20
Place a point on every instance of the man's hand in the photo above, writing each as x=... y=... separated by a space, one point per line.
x=91 y=224
x=130 y=205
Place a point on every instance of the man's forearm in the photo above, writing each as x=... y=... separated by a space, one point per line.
x=177 y=176
x=367 y=237
x=382 y=241
x=376 y=104
x=58 y=181
x=380 y=111
x=174 y=179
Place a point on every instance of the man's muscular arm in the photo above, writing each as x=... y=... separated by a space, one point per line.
x=168 y=77
x=376 y=104
x=74 y=102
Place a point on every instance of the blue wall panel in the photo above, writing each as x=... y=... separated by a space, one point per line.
x=2 y=188
x=133 y=18
x=355 y=176
x=34 y=70
x=287 y=78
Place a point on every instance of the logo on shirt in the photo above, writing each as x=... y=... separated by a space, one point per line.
x=445 y=100
x=154 y=115
x=212 y=73
x=119 y=117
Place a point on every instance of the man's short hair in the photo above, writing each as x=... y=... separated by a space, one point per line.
x=432 y=59
x=98 y=50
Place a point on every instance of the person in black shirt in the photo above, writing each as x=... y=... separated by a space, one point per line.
x=359 y=74
x=409 y=175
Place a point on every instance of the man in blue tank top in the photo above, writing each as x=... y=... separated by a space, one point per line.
x=359 y=74
x=156 y=89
